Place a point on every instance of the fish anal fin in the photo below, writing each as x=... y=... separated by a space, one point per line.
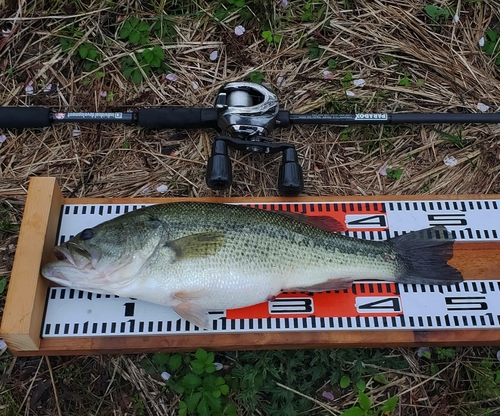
x=332 y=284
x=197 y=245
x=323 y=222
x=194 y=314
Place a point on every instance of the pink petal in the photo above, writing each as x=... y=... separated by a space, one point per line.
x=328 y=395
x=239 y=30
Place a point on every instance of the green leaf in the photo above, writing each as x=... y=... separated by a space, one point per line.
x=216 y=393
x=364 y=401
x=134 y=36
x=431 y=10
x=148 y=55
x=224 y=389
x=202 y=408
x=360 y=385
x=389 y=405
x=193 y=400
x=197 y=366
x=143 y=26
x=125 y=32
x=239 y=3
x=132 y=21
x=201 y=354
x=83 y=51
x=210 y=368
x=434 y=369
x=345 y=381
x=158 y=52
x=268 y=35
x=353 y=411
x=256 y=77
x=492 y=35
x=191 y=381
x=160 y=360
x=175 y=362
x=136 y=76
x=3 y=284
x=182 y=408
x=332 y=64
x=380 y=378
x=277 y=38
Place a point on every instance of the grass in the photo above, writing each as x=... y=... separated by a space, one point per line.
x=116 y=56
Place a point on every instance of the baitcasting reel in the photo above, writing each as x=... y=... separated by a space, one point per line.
x=246 y=115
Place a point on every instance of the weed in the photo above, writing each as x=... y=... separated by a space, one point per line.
x=436 y=13
x=144 y=63
x=203 y=392
x=315 y=51
x=271 y=38
x=346 y=80
x=87 y=52
x=135 y=31
x=256 y=77
x=394 y=173
x=332 y=64
x=365 y=407
x=492 y=45
x=164 y=30
x=455 y=139
x=313 y=11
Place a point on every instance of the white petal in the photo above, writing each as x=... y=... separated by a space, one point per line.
x=483 y=107
x=498 y=355
x=76 y=133
x=5 y=33
x=239 y=30
x=279 y=81
x=195 y=85
x=450 y=161
x=284 y=3
x=29 y=89
x=165 y=376
x=47 y=88
x=3 y=345
x=327 y=75
x=218 y=366
x=3 y=138
x=162 y=189
x=172 y=77
x=350 y=94
x=456 y=18
x=359 y=82
x=481 y=42
x=214 y=55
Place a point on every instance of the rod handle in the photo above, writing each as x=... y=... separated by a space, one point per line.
x=177 y=118
x=24 y=117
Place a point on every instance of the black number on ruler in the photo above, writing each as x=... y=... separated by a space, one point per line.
x=384 y=305
x=291 y=305
x=466 y=303
x=446 y=219
x=129 y=308
x=372 y=220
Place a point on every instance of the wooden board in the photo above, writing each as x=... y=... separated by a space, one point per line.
x=26 y=297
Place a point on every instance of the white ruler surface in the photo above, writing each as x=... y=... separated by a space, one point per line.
x=367 y=306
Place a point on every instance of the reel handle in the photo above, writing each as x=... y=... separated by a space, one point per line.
x=219 y=173
x=290 y=177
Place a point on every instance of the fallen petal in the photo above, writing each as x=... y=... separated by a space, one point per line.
x=165 y=376
x=239 y=30
x=350 y=94
x=359 y=82
x=29 y=89
x=383 y=170
x=218 y=366
x=284 y=3
x=162 y=189
x=5 y=33
x=327 y=75
x=214 y=55
x=47 y=88
x=328 y=395
x=456 y=18
x=3 y=138
x=279 y=81
x=450 y=161
x=423 y=351
x=172 y=77
x=483 y=107
x=481 y=42
x=195 y=85
x=498 y=355
x=76 y=133
x=103 y=94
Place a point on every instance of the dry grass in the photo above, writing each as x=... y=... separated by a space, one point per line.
x=382 y=42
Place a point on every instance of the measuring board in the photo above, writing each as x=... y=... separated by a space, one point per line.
x=39 y=319
x=366 y=306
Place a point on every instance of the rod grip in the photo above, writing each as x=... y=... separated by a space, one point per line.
x=24 y=117
x=177 y=118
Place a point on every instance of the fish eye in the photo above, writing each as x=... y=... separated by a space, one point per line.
x=87 y=234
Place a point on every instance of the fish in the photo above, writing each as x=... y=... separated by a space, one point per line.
x=200 y=256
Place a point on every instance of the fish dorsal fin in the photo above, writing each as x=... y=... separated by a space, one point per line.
x=322 y=222
x=197 y=245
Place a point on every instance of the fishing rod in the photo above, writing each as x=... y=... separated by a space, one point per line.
x=244 y=115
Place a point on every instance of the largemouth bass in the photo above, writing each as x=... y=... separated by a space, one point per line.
x=196 y=257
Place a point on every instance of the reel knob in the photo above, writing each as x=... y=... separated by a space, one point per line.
x=219 y=174
x=290 y=177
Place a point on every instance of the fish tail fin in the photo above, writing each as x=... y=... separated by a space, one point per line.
x=424 y=255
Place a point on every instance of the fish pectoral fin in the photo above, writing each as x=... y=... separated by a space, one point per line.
x=197 y=245
x=194 y=314
x=195 y=294
x=332 y=284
